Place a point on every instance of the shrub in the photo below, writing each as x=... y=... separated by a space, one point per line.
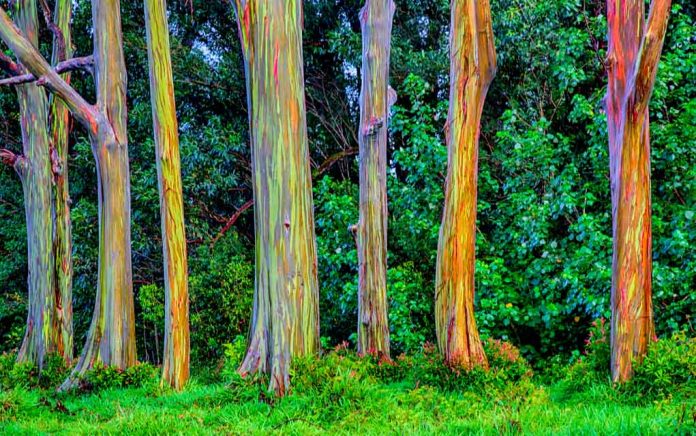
x=102 y=377
x=669 y=369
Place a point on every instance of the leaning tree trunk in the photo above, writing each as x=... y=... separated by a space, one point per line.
x=60 y=131
x=472 y=68
x=634 y=51
x=371 y=232
x=175 y=367
x=34 y=168
x=285 y=320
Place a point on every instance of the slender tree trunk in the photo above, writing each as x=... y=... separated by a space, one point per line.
x=111 y=336
x=472 y=68
x=60 y=131
x=34 y=168
x=634 y=51
x=175 y=367
x=285 y=320
x=376 y=97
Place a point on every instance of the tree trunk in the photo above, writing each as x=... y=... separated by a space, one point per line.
x=633 y=55
x=60 y=131
x=472 y=68
x=111 y=337
x=376 y=97
x=285 y=320
x=34 y=168
x=175 y=367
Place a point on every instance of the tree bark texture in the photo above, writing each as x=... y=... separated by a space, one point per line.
x=175 y=365
x=472 y=68
x=285 y=321
x=633 y=54
x=60 y=131
x=376 y=97
x=42 y=335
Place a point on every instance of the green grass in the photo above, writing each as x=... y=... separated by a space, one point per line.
x=373 y=408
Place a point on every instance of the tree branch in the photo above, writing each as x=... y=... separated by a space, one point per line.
x=32 y=60
x=232 y=220
x=9 y=66
x=650 y=51
x=16 y=161
x=84 y=63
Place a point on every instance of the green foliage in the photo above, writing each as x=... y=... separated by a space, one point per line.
x=26 y=375
x=221 y=294
x=668 y=370
x=102 y=377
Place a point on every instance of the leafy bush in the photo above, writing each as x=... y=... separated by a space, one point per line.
x=27 y=375
x=105 y=377
x=669 y=369
x=506 y=366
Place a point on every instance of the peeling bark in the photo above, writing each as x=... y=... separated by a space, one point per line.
x=60 y=131
x=472 y=68
x=376 y=97
x=285 y=321
x=634 y=51
x=42 y=335
x=175 y=366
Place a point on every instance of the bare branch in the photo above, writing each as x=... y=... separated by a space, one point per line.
x=232 y=220
x=650 y=51
x=59 y=43
x=9 y=66
x=84 y=63
x=33 y=61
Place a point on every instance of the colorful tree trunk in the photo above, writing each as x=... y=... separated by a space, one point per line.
x=60 y=130
x=472 y=68
x=42 y=335
x=111 y=336
x=376 y=97
x=175 y=366
x=634 y=51
x=285 y=320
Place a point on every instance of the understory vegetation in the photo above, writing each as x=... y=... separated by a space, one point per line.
x=343 y=393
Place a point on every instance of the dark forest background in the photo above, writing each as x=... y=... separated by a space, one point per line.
x=544 y=226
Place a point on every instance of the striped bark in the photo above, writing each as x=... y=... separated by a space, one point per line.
x=634 y=51
x=111 y=336
x=371 y=232
x=472 y=68
x=285 y=321
x=60 y=131
x=175 y=366
x=42 y=335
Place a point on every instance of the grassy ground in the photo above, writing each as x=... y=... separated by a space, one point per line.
x=374 y=409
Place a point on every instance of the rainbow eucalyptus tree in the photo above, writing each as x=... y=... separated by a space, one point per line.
x=633 y=54
x=285 y=320
x=111 y=336
x=472 y=68
x=60 y=131
x=175 y=366
x=376 y=97
x=42 y=334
